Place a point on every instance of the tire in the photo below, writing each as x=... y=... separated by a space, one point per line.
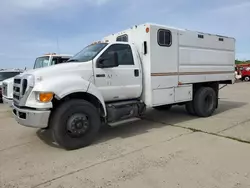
x=247 y=78
x=190 y=108
x=75 y=124
x=105 y=126
x=164 y=107
x=205 y=102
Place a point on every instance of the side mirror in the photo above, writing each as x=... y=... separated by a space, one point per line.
x=108 y=62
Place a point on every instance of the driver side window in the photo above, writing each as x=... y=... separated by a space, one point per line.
x=124 y=53
x=58 y=60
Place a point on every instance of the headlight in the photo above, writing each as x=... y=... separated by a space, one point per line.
x=45 y=96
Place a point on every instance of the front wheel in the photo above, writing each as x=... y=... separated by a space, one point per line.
x=75 y=124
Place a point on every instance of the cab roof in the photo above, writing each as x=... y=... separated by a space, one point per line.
x=56 y=55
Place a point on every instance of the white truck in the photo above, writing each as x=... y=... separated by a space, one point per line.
x=146 y=66
x=42 y=61
x=6 y=74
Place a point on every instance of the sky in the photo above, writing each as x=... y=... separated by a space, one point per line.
x=30 y=28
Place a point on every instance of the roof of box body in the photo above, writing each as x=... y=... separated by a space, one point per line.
x=171 y=27
x=179 y=29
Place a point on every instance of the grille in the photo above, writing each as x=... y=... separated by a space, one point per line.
x=17 y=81
x=19 y=88
x=16 y=89
x=17 y=97
x=24 y=86
x=16 y=92
x=4 y=89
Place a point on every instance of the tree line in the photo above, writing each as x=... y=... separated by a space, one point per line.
x=242 y=62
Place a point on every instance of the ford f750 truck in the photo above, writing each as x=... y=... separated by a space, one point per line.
x=43 y=61
x=117 y=79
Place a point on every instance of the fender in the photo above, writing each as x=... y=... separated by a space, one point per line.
x=90 y=89
x=61 y=88
x=93 y=90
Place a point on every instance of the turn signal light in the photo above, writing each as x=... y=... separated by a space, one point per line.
x=45 y=97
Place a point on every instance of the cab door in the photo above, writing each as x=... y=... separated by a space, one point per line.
x=121 y=82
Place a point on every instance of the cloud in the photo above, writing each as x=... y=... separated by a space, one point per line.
x=50 y=4
x=98 y=2
x=30 y=28
x=234 y=8
x=36 y=4
x=243 y=56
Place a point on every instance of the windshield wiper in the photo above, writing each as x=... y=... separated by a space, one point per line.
x=73 y=60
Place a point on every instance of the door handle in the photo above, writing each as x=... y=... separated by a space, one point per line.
x=136 y=72
x=100 y=75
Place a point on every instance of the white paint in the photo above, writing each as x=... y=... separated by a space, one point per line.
x=186 y=59
x=163 y=96
x=9 y=82
x=183 y=93
x=62 y=80
x=119 y=82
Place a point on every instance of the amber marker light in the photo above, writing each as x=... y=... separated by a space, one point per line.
x=46 y=97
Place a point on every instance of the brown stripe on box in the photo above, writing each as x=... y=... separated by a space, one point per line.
x=190 y=73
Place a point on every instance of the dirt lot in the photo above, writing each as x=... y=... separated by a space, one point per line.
x=165 y=149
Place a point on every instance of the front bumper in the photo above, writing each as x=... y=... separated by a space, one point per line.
x=31 y=118
x=7 y=101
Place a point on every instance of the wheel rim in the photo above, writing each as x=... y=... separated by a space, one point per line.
x=247 y=78
x=78 y=125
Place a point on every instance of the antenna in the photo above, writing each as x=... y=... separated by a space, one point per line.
x=58 y=48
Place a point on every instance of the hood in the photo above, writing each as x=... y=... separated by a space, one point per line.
x=9 y=80
x=60 y=69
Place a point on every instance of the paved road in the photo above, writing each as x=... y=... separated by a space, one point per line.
x=165 y=149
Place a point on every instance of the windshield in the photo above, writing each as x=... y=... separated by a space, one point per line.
x=6 y=75
x=41 y=62
x=88 y=53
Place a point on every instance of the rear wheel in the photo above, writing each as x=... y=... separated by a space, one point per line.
x=190 y=108
x=247 y=78
x=164 y=107
x=75 y=124
x=205 y=101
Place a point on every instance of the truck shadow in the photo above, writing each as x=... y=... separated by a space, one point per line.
x=46 y=136
x=157 y=119
x=152 y=119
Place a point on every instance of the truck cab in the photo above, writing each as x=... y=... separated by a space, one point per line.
x=245 y=73
x=40 y=62
x=50 y=59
